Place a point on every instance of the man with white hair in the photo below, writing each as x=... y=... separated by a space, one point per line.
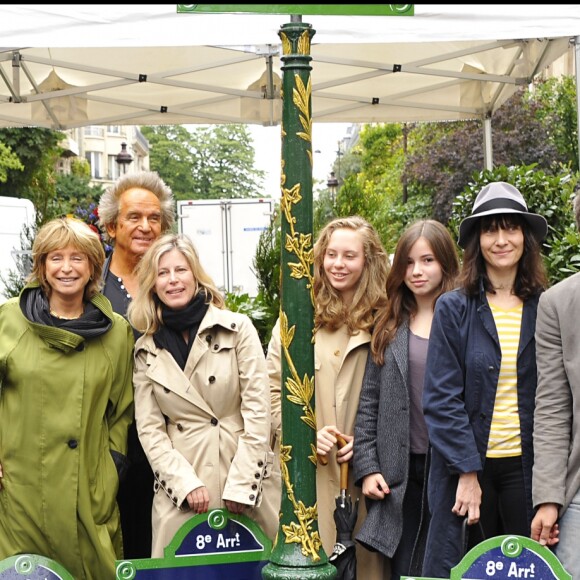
x=133 y=213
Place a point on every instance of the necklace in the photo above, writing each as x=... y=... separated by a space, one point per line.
x=53 y=313
x=120 y=280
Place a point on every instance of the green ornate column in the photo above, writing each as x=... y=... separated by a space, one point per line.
x=298 y=551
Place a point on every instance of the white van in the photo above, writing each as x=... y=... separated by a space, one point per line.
x=15 y=214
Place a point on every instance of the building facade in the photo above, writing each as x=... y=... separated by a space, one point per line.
x=110 y=150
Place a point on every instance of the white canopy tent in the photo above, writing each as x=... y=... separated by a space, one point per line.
x=70 y=66
x=130 y=63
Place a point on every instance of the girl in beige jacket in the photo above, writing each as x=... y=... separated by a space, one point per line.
x=350 y=273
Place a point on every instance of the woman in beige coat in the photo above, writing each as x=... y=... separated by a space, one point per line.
x=202 y=402
x=350 y=273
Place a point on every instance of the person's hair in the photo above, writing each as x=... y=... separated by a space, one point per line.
x=109 y=202
x=401 y=301
x=144 y=312
x=531 y=276
x=59 y=234
x=370 y=295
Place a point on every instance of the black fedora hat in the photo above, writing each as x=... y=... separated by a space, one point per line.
x=496 y=198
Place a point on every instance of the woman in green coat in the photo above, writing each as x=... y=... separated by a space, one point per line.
x=66 y=401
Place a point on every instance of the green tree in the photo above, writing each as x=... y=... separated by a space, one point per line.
x=323 y=210
x=73 y=190
x=80 y=167
x=348 y=162
x=372 y=185
x=383 y=150
x=558 y=112
x=8 y=162
x=38 y=151
x=172 y=157
x=224 y=165
x=213 y=162
x=445 y=165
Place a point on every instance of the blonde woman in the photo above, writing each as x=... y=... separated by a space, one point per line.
x=66 y=402
x=350 y=274
x=202 y=403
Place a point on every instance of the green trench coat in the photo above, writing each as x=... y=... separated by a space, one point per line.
x=64 y=406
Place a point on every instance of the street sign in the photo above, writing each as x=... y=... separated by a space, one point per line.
x=325 y=9
x=31 y=567
x=211 y=546
x=507 y=558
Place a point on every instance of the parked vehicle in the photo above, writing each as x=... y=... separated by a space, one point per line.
x=226 y=233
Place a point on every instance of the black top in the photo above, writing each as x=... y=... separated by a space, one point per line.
x=116 y=292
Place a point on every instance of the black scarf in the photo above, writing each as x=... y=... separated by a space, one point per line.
x=35 y=307
x=174 y=322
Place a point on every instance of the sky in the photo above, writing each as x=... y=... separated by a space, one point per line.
x=267 y=143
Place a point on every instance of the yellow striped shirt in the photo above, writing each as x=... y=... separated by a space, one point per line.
x=505 y=436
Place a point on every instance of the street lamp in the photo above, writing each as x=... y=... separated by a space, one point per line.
x=332 y=185
x=124 y=158
x=339 y=154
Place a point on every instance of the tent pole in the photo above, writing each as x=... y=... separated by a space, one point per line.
x=16 y=69
x=487 y=144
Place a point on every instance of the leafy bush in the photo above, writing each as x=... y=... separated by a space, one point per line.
x=258 y=311
x=525 y=131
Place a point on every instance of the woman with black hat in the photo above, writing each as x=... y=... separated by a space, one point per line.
x=480 y=381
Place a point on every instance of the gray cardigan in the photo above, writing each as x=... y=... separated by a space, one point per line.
x=382 y=444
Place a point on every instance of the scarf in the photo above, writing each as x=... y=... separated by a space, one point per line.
x=90 y=324
x=173 y=322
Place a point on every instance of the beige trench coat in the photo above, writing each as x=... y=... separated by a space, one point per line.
x=336 y=400
x=207 y=425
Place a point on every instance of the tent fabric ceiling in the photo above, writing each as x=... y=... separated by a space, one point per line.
x=70 y=66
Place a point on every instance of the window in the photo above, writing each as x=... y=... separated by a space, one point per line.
x=114 y=169
x=94 y=159
x=114 y=129
x=93 y=131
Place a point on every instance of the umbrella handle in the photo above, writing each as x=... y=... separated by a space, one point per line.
x=340 y=442
x=323 y=459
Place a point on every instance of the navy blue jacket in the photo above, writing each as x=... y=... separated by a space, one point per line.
x=463 y=364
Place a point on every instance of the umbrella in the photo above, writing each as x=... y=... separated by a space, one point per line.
x=465 y=530
x=343 y=555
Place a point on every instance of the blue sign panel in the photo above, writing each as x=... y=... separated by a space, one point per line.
x=211 y=546
x=32 y=567
x=508 y=558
